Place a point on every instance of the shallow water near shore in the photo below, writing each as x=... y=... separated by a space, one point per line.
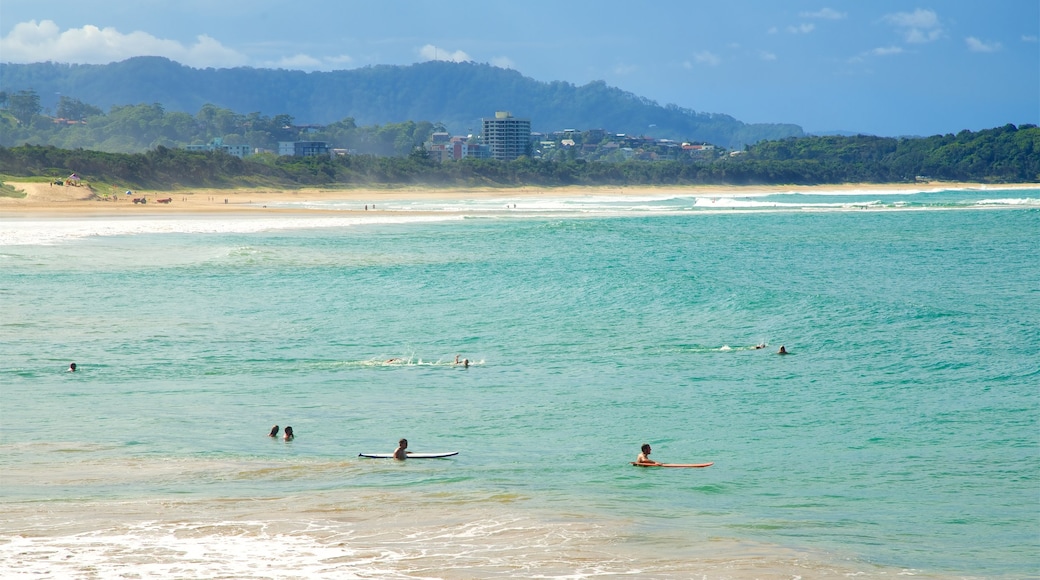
x=898 y=438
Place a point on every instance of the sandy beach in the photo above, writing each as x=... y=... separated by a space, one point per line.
x=48 y=199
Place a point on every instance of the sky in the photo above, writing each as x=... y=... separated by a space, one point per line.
x=880 y=67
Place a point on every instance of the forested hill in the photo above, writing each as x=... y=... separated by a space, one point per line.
x=454 y=94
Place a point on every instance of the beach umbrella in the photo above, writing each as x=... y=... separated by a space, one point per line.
x=73 y=177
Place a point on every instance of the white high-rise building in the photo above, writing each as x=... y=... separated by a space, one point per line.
x=507 y=136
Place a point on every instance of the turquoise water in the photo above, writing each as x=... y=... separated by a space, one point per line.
x=901 y=435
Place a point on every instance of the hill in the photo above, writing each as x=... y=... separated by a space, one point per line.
x=456 y=95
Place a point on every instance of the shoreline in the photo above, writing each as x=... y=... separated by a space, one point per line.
x=47 y=200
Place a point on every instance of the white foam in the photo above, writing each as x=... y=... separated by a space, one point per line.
x=16 y=232
x=1010 y=201
x=259 y=549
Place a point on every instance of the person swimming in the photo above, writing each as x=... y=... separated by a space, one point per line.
x=402 y=449
x=289 y=436
x=644 y=456
x=72 y=368
x=274 y=431
x=783 y=350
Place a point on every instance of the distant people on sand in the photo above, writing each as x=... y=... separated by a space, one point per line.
x=72 y=368
x=288 y=434
x=402 y=449
x=783 y=350
x=644 y=456
x=274 y=431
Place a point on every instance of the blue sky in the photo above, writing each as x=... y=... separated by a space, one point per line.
x=881 y=67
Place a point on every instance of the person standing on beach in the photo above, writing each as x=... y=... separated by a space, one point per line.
x=644 y=457
x=402 y=449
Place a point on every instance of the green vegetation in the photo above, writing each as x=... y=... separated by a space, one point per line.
x=455 y=95
x=8 y=191
x=1003 y=155
x=139 y=128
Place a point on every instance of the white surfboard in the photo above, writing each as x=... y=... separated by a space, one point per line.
x=410 y=455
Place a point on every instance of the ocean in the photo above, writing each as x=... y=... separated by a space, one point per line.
x=900 y=436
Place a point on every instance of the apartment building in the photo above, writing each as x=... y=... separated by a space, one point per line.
x=506 y=136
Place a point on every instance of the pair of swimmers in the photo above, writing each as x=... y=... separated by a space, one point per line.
x=783 y=349
x=288 y=436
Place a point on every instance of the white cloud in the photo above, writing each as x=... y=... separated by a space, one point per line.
x=824 y=14
x=431 y=52
x=307 y=62
x=887 y=50
x=976 y=45
x=625 y=69
x=1029 y=38
x=917 y=19
x=705 y=57
x=503 y=62
x=298 y=61
x=917 y=27
x=341 y=60
x=44 y=41
x=767 y=56
x=805 y=28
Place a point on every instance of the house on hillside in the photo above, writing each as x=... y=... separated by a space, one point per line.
x=303 y=148
x=217 y=143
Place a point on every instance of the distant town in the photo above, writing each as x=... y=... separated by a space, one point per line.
x=505 y=137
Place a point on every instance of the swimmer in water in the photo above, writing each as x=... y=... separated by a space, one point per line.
x=72 y=368
x=644 y=457
x=783 y=350
x=402 y=449
x=289 y=434
x=274 y=431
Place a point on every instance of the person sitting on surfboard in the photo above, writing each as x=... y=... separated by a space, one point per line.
x=644 y=457
x=402 y=449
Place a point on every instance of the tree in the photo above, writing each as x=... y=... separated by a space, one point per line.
x=75 y=109
x=24 y=105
